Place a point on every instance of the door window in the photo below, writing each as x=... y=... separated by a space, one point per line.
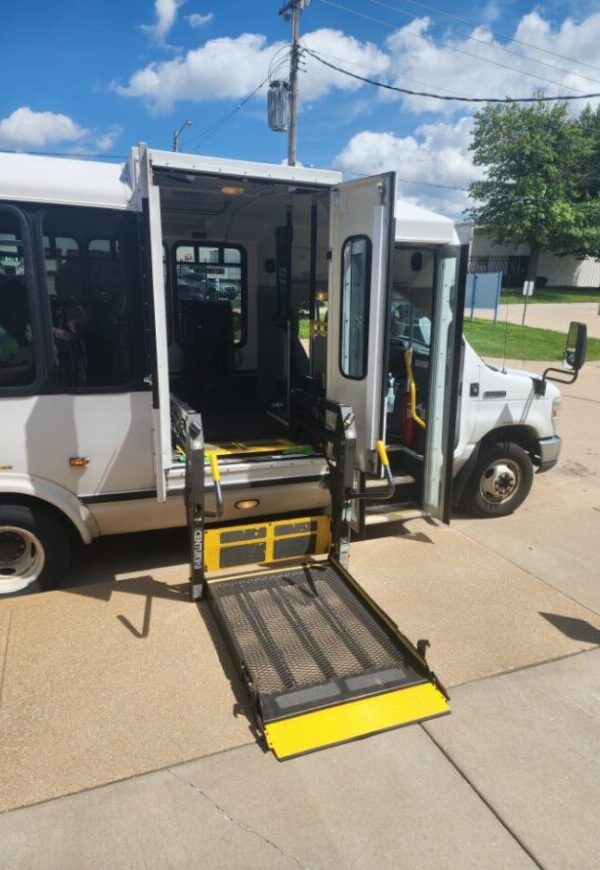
x=17 y=359
x=356 y=283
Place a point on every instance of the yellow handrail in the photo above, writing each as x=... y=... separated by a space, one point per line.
x=412 y=388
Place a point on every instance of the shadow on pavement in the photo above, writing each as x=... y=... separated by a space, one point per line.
x=398 y=530
x=576 y=629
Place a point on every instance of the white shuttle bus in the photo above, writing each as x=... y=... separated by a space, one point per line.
x=268 y=320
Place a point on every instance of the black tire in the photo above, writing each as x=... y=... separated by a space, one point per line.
x=42 y=539
x=500 y=481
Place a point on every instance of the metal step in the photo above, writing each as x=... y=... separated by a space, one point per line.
x=399 y=480
x=391 y=512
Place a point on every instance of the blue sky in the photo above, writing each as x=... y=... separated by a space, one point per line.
x=97 y=78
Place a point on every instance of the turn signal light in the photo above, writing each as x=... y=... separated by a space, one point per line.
x=246 y=504
x=79 y=461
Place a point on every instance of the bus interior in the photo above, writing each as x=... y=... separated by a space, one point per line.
x=242 y=259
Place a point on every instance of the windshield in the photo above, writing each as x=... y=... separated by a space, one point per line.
x=409 y=324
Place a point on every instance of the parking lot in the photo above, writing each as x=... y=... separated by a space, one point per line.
x=126 y=739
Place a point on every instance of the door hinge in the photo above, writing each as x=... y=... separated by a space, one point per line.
x=382 y=187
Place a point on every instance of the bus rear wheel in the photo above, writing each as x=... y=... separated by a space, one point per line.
x=35 y=548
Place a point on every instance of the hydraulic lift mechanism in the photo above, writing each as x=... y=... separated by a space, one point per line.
x=322 y=663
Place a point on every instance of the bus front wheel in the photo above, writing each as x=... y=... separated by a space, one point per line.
x=500 y=481
x=35 y=548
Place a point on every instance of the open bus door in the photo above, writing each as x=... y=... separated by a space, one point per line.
x=445 y=356
x=361 y=246
x=155 y=301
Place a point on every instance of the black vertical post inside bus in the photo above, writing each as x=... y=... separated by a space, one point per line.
x=283 y=257
x=313 y=307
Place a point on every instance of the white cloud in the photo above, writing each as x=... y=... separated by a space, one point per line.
x=105 y=141
x=166 y=15
x=26 y=128
x=453 y=65
x=491 y=11
x=341 y=49
x=436 y=153
x=222 y=68
x=197 y=20
x=229 y=68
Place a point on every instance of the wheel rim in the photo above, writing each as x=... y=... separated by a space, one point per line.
x=22 y=558
x=500 y=481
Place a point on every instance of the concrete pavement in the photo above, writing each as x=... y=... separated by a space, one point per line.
x=554 y=534
x=511 y=780
x=120 y=676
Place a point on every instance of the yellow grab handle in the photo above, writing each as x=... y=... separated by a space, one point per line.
x=382 y=453
x=214 y=468
x=412 y=388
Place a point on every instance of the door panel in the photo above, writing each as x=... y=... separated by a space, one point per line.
x=361 y=240
x=155 y=289
x=448 y=308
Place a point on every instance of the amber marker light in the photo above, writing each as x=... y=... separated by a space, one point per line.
x=246 y=504
x=230 y=190
x=79 y=462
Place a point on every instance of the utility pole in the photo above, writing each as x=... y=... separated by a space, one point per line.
x=177 y=133
x=292 y=10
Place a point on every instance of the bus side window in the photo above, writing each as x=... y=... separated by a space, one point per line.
x=17 y=363
x=93 y=283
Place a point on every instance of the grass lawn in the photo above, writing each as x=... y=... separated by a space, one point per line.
x=514 y=295
x=522 y=342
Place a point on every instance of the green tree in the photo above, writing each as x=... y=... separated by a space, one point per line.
x=538 y=187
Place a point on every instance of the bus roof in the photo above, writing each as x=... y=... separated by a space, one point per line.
x=69 y=181
x=422 y=226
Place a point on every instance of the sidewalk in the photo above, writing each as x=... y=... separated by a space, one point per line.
x=511 y=780
x=554 y=315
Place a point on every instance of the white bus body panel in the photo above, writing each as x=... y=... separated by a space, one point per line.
x=40 y=434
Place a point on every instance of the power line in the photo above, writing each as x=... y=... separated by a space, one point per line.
x=503 y=48
x=404 y=180
x=205 y=134
x=370 y=69
x=538 y=99
x=450 y=47
x=495 y=32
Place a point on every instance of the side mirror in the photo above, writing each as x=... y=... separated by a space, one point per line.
x=573 y=359
x=416 y=261
x=575 y=348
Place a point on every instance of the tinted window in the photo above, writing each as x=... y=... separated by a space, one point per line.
x=214 y=273
x=17 y=364
x=356 y=282
x=93 y=286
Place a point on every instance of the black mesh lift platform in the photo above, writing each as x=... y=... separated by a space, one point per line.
x=308 y=646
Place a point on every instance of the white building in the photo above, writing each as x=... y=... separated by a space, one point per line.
x=513 y=261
